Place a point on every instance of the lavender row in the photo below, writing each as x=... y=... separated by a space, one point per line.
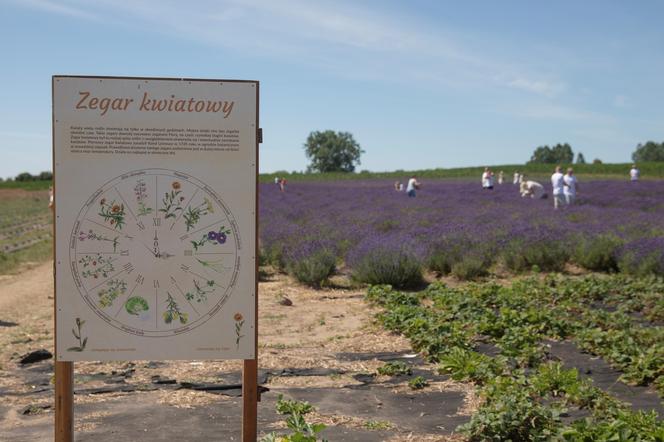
x=456 y=226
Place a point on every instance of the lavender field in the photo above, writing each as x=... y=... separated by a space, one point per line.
x=378 y=235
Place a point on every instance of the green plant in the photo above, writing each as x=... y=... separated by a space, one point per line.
x=394 y=368
x=301 y=430
x=418 y=383
x=510 y=413
x=623 y=426
x=467 y=365
x=377 y=425
x=525 y=403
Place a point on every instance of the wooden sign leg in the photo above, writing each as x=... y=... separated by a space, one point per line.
x=250 y=400
x=64 y=401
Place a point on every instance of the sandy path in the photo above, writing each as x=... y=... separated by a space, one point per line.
x=26 y=299
x=309 y=334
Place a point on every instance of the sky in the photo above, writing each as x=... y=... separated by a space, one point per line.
x=419 y=84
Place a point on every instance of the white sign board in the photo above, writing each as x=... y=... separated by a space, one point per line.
x=155 y=204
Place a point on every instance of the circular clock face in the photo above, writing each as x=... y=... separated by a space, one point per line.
x=154 y=252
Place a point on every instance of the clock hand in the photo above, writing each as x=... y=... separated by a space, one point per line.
x=149 y=249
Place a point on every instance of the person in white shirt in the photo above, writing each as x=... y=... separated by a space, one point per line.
x=412 y=186
x=557 y=182
x=532 y=189
x=634 y=173
x=516 y=177
x=501 y=177
x=570 y=186
x=487 y=179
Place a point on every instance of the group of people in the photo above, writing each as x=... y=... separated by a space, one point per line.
x=281 y=183
x=411 y=188
x=488 y=178
x=564 y=188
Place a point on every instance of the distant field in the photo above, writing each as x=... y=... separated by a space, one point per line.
x=596 y=171
x=26 y=185
x=538 y=171
x=25 y=228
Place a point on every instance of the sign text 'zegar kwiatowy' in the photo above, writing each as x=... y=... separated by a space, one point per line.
x=87 y=101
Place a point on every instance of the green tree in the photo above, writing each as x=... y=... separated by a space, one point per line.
x=580 y=159
x=331 y=151
x=651 y=151
x=597 y=161
x=45 y=176
x=558 y=154
x=25 y=176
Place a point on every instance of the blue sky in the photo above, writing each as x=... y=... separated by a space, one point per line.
x=420 y=84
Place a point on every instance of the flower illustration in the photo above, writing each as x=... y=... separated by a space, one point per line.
x=239 y=322
x=208 y=205
x=78 y=335
x=112 y=213
x=140 y=190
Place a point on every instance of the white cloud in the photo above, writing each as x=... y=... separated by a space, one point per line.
x=59 y=8
x=548 y=111
x=539 y=86
x=343 y=37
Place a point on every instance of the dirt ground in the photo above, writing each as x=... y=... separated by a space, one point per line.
x=324 y=348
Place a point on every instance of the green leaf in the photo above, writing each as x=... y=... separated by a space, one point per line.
x=74 y=349
x=85 y=341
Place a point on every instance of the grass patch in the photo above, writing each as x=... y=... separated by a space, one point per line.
x=37 y=253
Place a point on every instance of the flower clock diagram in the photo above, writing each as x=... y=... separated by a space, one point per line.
x=155 y=252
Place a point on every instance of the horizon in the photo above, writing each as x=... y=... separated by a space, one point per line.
x=420 y=86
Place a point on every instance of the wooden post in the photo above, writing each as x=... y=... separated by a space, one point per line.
x=64 y=371
x=250 y=394
x=250 y=400
x=64 y=401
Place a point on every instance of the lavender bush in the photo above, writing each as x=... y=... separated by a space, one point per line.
x=367 y=225
x=390 y=259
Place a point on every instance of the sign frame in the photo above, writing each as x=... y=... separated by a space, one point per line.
x=64 y=370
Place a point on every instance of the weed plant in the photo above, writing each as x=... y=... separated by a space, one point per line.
x=300 y=429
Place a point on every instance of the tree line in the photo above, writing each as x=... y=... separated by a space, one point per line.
x=651 y=151
x=330 y=151
x=27 y=176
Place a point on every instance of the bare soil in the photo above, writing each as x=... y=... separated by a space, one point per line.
x=324 y=348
